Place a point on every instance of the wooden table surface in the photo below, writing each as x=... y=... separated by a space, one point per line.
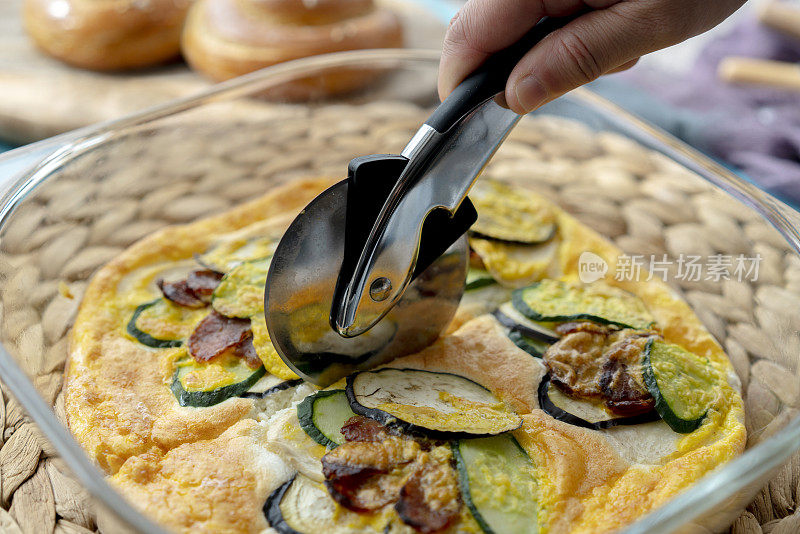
x=41 y=97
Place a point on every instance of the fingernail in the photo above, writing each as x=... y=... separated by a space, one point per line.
x=530 y=92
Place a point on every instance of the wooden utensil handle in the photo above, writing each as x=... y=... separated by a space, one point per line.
x=781 y=16
x=761 y=72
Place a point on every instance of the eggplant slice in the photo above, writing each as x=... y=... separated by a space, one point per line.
x=303 y=506
x=511 y=318
x=437 y=404
x=534 y=347
x=269 y=384
x=582 y=413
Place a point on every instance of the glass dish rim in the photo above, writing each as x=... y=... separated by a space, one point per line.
x=701 y=497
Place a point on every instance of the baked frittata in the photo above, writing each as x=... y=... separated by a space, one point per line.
x=550 y=405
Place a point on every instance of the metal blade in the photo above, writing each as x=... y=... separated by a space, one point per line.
x=299 y=294
x=428 y=183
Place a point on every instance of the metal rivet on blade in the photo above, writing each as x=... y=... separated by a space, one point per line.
x=380 y=288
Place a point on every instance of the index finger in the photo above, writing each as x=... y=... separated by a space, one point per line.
x=483 y=27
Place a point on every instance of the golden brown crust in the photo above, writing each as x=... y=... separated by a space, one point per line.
x=572 y=462
x=216 y=485
x=107 y=34
x=228 y=38
x=117 y=409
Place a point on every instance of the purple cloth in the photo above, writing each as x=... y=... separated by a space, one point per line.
x=756 y=129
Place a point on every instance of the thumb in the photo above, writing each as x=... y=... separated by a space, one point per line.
x=589 y=46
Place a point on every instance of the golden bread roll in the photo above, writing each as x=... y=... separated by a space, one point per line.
x=107 y=34
x=227 y=38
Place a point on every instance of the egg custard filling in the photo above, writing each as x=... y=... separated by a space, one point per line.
x=549 y=405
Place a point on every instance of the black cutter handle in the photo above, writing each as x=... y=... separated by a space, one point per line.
x=491 y=77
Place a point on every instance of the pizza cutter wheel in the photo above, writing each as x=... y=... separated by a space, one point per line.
x=374 y=267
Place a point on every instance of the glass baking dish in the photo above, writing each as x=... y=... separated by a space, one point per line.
x=71 y=203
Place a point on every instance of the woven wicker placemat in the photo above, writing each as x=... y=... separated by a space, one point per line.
x=104 y=201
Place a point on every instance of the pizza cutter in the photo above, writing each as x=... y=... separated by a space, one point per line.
x=374 y=267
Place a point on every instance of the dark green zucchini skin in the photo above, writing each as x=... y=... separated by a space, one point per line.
x=519 y=303
x=463 y=481
x=557 y=413
x=202 y=399
x=286 y=384
x=681 y=426
x=143 y=337
x=405 y=427
x=477 y=281
x=272 y=509
x=463 y=486
x=305 y=415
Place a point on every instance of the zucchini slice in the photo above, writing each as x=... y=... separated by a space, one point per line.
x=161 y=324
x=584 y=414
x=478 y=278
x=272 y=361
x=516 y=265
x=439 y=404
x=683 y=384
x=209 y=383
x=498 y=484
x=555 y=301
x=269 y=384
x=240 y=293
x=508 y=316
x=511 y=214
x=322 y=416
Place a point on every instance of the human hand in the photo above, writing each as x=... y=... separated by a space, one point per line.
x=607 y=39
